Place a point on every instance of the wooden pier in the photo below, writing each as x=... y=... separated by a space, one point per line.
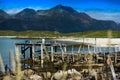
x=51 y=60
x=43 y=50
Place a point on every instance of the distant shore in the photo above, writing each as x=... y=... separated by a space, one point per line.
x=98 y=42
x=54 y=34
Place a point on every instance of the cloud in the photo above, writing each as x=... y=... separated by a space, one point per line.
x=103 y=14
x=13 y=11
x=115 y=16
x=16 y=10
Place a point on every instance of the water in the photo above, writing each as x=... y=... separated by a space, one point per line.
x=7 y=46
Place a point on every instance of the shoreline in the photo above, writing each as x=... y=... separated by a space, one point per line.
x=98 y=42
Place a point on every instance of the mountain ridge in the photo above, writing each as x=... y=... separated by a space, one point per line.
x=59 y=18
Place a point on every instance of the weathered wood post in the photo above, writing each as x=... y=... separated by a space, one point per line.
x=83 y=45
x=30 y=52
x=41 y=55
x=68 y=58
x=79 y=49
x=23 y=50
x=65 y=49
x=33 y=51
x=52 y=54
x=79 y=52
x=88 y=48
x=62 y=52
x=115 y=55
x=73 y=53
x=94 y=49
x=95 y=46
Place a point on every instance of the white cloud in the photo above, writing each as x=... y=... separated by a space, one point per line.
x=15 y=10
x=115 y=16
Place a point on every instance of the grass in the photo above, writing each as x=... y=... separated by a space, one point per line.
x=89 y=34
x=2 y=64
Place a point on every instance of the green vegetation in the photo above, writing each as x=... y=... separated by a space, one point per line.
x=32 y=34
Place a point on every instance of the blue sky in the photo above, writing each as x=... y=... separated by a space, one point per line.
x=77 y=4
x=99 y=9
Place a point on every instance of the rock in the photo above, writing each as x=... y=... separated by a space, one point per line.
x=35 y=77
x=28 y=72
x=71 y=71
x=93 y=73
x=71 y=74
x=59 y=75
x=47 y=75
x=74 y=75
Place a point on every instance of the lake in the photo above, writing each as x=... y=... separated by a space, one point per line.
x=7 y=46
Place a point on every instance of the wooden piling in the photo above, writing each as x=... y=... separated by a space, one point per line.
x=33 y=51
x=89 y=48
x=41 y=55
x=18 y=67
x=65 y=49
x=52 y=54
x=73 y=53
x=22 y=50
x=79 y=49
x=62 y=52
x=115 y=55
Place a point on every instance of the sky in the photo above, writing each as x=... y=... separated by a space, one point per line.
x=99 y=9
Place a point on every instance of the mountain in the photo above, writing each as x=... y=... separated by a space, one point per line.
x=26 y=14
x=59 y=18
x=3 y=15
x=60 y=9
